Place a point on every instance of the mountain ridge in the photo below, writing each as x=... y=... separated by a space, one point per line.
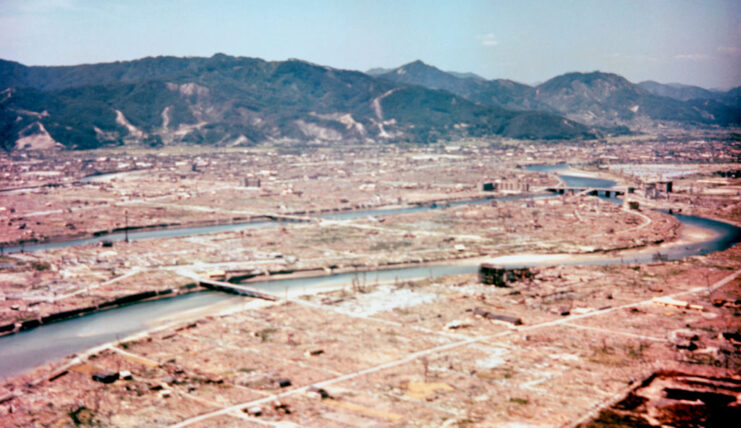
x=228 y=100
x=498 y=92
x=595 y=98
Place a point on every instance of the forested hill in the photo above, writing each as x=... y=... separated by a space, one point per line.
x=225 y=100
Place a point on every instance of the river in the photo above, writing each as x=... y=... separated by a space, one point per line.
x=23 y=351
x=31 y=348
x=177 y=232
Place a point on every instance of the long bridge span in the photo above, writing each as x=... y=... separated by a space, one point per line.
x=594 y=191
x=227 y=287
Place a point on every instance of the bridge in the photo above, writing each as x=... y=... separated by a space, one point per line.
x=241 y=290
x=287 y=218
x=594 y=191
x=227 y=287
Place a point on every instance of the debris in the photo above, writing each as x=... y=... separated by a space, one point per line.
x=216 y=274
x=105 y=377
x=82 y=416
x=733 y=337
x=362 y=409
x=668 y=398
x=323 y=394
x=284 y=383
x=58 y=375
x=501 y=277
x=282 y=407
x=674 y=303
x=254 y=411
x=314 y=352
x=490 y=316
x=719 y=303
x=684 y=339
x=420 y=390
x=456 y=324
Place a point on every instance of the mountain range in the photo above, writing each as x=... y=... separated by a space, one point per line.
x=682 y=92
x=595 y=99
x=225 y=100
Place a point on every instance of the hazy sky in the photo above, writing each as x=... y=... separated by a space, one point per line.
x=694 y=42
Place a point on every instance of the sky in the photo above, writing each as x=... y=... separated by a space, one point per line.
x=691 y=42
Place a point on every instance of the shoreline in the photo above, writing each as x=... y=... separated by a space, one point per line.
x=540 y=259
x=677 y=239
x=688 y=235
x=225 y=308
x=153 y=295
x=54 y=317
x=603 y=175
x=292 y=217
x=680 y=236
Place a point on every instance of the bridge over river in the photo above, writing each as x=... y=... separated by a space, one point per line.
x=22 y=351
x=594 y=191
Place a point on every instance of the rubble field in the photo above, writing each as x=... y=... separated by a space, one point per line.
x=411 y=354
x=655 y=343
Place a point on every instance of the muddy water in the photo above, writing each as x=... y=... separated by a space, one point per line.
x=28 y=349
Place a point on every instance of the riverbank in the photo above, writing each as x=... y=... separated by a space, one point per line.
x=357 y=274
x=54 y=317
x=171 y=229
x=379 y=315
x=690 y=237
x=596 y=173
x=279 y=272
x=404 y=340
x=313 y=281
x=269 y=277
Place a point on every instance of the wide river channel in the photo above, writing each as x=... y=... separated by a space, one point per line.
x=23 y=351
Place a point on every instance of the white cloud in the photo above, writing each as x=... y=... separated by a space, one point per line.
x=729 y=50
x=488 y=40
x=692 y=57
